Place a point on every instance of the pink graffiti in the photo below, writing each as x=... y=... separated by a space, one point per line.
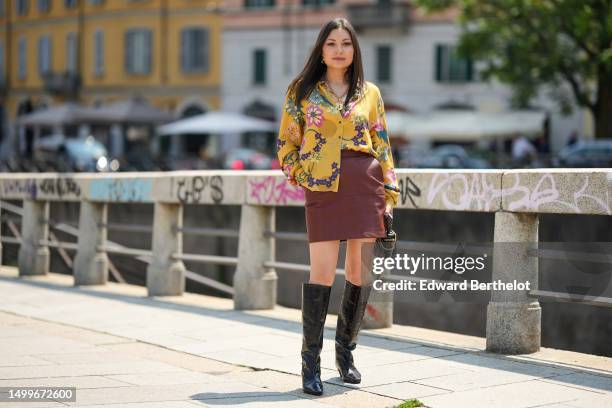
x=274 y=190
x=470 y=191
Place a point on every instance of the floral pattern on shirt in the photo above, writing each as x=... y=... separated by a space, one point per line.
x=311 y=137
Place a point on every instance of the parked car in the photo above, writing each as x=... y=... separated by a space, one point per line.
x=449 y=157
x=592 y=153
x=75 y=154
x=247 y=159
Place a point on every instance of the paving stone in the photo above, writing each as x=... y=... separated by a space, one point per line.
x=593 y=401
x=20 y=360
x=201 y=349
x=518 y=395
x=158 y=393
x=88 y=381
x=585 y=381
x=407 y=371
x=177 y=378
x=406 y=390
x=70 y=370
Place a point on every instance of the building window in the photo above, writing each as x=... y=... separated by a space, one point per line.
x=96 y=2
x=450 y=67
x=44 y=54
x=138 y=48
x=317 y=2
x=383 y=63
x=2 y=68
x=69 y=4
x=44 y=5
x=22 y=7
x=259 y=67
x=194 y=49
x=71 y=53
x=250 y=4
x=2 y=8
x=22 y=52
x=99 y=53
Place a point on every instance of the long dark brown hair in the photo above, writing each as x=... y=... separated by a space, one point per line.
x=314 y=69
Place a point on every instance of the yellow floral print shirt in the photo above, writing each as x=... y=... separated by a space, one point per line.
x=310 y=138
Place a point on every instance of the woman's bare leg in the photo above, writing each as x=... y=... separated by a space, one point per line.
x=353 y=259
x=323 y=262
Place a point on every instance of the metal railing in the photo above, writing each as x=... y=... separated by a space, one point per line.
x=515 y=197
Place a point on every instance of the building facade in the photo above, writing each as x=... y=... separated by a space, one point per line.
x=99 y=51
x=408 y=54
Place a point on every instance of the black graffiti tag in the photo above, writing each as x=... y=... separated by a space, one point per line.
x=60 y=187
x=216 y=186
x=408 y=190
x=191 y=190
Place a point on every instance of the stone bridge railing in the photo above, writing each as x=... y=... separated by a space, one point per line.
x=515 y=196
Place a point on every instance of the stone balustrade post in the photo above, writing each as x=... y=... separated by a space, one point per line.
x=91 y=262
x=34 y=256
x=166 y=274
x=254 y=284
x=513 y=318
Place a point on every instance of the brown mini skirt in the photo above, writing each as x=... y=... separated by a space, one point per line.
x=356 y=210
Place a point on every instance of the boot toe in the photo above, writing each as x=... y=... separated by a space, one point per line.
x=313 y=389
x=350 y=376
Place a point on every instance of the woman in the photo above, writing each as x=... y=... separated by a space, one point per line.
x=333 y=143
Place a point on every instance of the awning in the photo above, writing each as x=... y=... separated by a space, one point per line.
x=65 y=114
x=218 y=122
x=464 y=126
x=131 y=111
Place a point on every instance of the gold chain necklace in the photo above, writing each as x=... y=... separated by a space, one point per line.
x=339 y=99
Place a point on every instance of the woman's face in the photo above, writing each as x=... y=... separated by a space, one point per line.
x=338 y=49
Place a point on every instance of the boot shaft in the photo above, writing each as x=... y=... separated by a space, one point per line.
x=315 y=302
x=350 y=316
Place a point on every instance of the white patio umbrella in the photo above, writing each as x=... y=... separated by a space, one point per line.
x=217 y=122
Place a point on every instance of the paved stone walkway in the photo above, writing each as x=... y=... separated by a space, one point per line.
x=121 y=348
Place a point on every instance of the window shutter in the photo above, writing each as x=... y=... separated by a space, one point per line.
x=49 y=59
x=205 y=49
x=40 y=55
x=148 y=50
x=22 y=57
x=469 y=70
x=438 y=62
x=129 y=52
x=99 y=52
x=185 y=50
x=2 y=69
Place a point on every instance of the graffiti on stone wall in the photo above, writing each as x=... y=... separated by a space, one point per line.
x=59 y=187
x=25 y=187
x=274 y=190
x=408 y=191
x=586 y=198
x=122 y=190
x=197 y=189
x=462 y=192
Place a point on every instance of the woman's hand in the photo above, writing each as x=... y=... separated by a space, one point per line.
x=389 y=209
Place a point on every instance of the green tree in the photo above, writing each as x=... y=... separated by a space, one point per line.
x=564 y=46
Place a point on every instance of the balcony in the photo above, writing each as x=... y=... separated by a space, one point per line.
x=391 y=15
x=62 y=83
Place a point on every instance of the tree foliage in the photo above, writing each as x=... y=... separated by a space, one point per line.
x=563 y=45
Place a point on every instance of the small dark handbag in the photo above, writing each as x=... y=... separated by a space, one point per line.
x=385 y=247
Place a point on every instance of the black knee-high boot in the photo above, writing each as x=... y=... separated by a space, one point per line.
x=315 y=300
x=352 y=309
